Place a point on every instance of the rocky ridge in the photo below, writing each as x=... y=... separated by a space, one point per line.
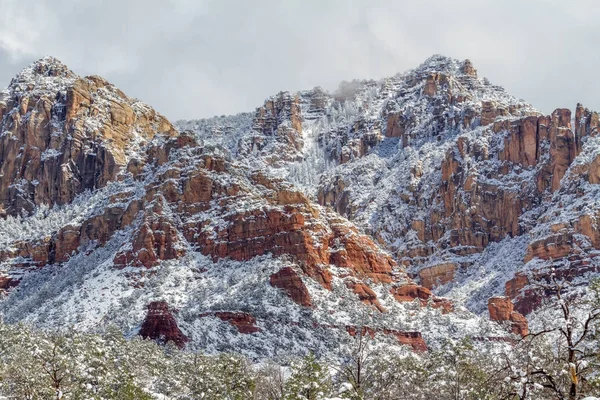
x=129 y=214
x=475 y=192
x=62 y=135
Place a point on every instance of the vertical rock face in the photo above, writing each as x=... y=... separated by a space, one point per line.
x=396 y=125
x=276 y=112
x=277 y=127
x=501 y=309
x=586 y=122
x=63 y=134
x=488 y=186
x=563 y=146
x=437 y=274
x=160 y=325
x=154 y=241
x=521 y=146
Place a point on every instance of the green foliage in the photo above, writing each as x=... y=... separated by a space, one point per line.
x=461 y=371
x=48 y=365
x=456 y=371
x=128 y=390
x=309 y=380
x=36 y=365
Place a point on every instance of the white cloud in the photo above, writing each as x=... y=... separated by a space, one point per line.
x=199 y=58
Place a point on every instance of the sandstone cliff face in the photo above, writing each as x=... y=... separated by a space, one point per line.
x=237 y=223
x=498 y=183
x=243 y=322
x=276 y=131
x=413 y=292
x=163 y=214
x=283 y=222
x=63 y=134
x=289 y=281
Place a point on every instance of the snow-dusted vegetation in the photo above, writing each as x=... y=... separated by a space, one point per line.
x=559 y=362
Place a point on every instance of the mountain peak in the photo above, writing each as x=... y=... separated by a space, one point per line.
x=49 y=66
x=46 y=74
x=53 y=118
x=444 y=64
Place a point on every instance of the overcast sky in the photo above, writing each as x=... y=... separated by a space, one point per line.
x=195 y=58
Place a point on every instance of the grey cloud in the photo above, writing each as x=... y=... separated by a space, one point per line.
x=192 y=59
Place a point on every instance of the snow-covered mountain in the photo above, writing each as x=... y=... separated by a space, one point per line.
x=475 y=192
x=215 y=239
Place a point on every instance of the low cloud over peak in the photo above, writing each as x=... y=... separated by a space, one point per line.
x=193 y=59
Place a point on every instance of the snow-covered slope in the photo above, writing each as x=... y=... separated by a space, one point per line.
x=127 y=213
x=474 y=191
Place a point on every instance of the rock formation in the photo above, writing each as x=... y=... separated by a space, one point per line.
x=289 y=281
x=501 y=309
x=63 y=135
x=243 y=322
x=160 y=325
x=381 y=198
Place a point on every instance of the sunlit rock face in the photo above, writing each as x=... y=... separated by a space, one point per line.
x=501 y=310
x=62 y=135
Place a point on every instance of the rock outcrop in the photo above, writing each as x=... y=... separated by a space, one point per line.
x=63 y=134
x=437 y=274
x=290 y=282
x=160 y=325
x=501 y=309
x=7 y=283
x=243 y=322
x=412 y=339
x=411 y=292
